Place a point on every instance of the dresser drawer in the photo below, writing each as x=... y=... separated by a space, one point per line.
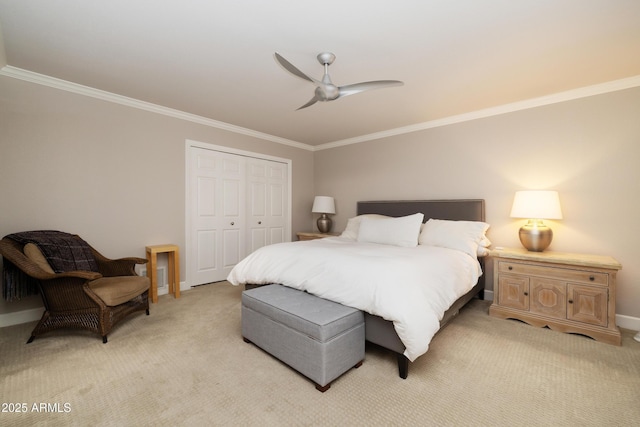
x=558 y=273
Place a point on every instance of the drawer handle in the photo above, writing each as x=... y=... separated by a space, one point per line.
x=259 y=222
x=570 y=301
x=233 y=223
x=510 y=268
x=526 y=294
x=592 y=278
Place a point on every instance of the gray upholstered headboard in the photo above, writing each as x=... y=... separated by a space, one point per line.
x=461 y=210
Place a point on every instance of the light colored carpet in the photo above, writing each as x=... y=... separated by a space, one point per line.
x=186 y=364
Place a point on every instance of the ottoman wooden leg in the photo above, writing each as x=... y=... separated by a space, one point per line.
x=322 y=389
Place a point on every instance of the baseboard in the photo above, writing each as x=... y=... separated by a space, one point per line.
x=628 y=322
x=164 y=290
x=33 y=314
x=25 y=316
x=18 y=317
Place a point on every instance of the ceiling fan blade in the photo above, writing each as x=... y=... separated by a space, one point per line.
x=308 y=104
x=292 y=69
x=361 y=87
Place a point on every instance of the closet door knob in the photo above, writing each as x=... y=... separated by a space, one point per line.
x=233 y=223
x=259 y=222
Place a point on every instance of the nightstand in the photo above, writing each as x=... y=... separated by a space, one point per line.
x=173 y=257
x=304 y=235
x=572 y=293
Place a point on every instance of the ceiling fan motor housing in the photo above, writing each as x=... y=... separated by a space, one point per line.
x=326 y=58
x=327 y=92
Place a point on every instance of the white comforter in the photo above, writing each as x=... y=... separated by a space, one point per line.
x=412 y=287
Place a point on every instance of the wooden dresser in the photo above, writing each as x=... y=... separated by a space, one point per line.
x=574 y=293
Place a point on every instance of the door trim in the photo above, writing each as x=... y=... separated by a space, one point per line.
x=189 y=145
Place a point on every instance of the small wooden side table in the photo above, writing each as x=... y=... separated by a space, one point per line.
x=173 y=255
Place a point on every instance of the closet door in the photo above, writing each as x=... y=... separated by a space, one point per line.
x=266 y=203
x=217 y=214
x=236 y=203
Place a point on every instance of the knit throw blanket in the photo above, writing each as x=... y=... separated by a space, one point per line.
x=63 y=251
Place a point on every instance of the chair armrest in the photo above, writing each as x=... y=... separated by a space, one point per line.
x=135 y=260
x=118 y=267
x=38 y=273
x=86 y=275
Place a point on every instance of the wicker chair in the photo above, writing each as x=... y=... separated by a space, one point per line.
x=71 y=299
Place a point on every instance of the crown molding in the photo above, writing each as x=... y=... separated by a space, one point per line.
x=598 y=89
x=612 y=86
x=41 y=79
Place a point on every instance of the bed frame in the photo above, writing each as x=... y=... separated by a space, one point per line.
x=380 y=331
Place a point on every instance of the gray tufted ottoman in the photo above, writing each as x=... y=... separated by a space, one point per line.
x=320 y=339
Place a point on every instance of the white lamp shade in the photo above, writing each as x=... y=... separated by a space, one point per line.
x=536 y=205
x=323 y=204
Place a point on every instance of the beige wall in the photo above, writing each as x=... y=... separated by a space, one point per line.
x=113 y=174
x=3 y=54
x=587 y=149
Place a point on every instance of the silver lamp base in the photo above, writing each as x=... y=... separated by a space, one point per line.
x=535 y=235
x=324 y=223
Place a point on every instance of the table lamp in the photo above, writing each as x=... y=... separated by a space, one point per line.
x=536 y=206
x=324 y=205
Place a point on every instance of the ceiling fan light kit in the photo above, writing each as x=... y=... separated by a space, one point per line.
x=325 y=89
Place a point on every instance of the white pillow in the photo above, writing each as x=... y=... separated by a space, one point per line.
x=483 y=247
x=464 y=236
x=402 y=231
x=353 y=225
x=482 y=251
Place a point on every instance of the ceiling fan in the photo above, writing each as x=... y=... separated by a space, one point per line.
x=325 y=89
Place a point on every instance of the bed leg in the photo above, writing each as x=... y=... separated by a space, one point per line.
x=481 y=294
x=403 y=366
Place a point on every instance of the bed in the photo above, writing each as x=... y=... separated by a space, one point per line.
x=390 y=319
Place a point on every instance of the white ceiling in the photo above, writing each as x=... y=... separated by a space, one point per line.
x=215 y=58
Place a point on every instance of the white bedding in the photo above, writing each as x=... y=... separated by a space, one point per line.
x=412 y=287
